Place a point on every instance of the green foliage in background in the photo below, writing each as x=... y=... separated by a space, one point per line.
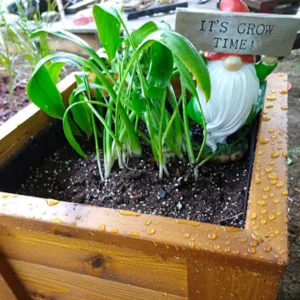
x=16 y=46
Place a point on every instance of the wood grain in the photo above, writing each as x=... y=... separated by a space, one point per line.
x=245 y=33
x=212 y=281
x=97 y=259
x=5 y=291
x=10 y=284
x=48 y=283
x=267 y=206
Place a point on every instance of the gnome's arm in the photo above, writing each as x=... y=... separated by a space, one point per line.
x=265 y=67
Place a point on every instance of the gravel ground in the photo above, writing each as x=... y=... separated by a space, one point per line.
x=290 y=286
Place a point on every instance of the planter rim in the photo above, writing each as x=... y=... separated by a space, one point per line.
x=263 y=242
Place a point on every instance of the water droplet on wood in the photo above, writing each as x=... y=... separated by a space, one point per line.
x=134 y=233
x=279 y=184
x=271 y=97
x=261 y=202
x=251 y=250
x=151 y=231
x=275 y=154
x=266 y=118
x=273 y=176
x=268 y=249
x=102 y=228
x=52 y=202
x=253 y=216
x=263 y=141
x=57 y=220
x=254 y=244
x=212 y=236
x=129 y=213
x=188 y=222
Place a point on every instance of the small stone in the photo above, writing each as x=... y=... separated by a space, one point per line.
x=179 y=205
x=162 y=194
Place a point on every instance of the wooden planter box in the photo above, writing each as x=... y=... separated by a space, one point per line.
x=60 y=250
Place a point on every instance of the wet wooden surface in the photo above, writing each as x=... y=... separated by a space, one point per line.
x=267 y=206
x=156 y=256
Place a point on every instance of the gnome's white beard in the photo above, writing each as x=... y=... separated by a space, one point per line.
x=233 y=93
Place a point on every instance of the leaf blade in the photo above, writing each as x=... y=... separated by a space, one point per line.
x=108 y=28
x=42 y=91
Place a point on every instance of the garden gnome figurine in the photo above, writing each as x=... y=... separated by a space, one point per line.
x=235 y=84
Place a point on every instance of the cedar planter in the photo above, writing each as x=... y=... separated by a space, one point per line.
x=60 y=250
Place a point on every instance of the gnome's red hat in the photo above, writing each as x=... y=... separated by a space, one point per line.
x=231 y=6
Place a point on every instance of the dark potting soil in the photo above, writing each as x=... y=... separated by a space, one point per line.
x=217 y=197
x=9 y=106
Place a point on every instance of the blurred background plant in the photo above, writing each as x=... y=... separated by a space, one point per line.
x=19 y=54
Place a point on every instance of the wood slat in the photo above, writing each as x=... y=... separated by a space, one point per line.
x=167 y=236
x=267 y=205
x=49 y=283
x=5 y=291
x=97 y=259
x=10 y=285
x=216 y=281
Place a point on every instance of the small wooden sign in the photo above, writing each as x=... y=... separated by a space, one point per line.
x=244 y=33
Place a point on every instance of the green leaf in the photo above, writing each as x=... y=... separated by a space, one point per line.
x=81 y=113
x=42 y=91
x=161 y=69
x=109 y=29
x=185 y=76
x=184 y=50
x=70 y=136
x=138 y=103
x=65 y=35
x=95 y=58
x=194 y=112
x=141 y=33
x=54 y=70
x=155 y=92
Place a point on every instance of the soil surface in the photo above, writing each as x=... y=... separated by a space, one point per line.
x=290 y=286
x=217 y=197
x=9 y=106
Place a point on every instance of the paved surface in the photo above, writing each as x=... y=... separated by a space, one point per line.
x=133 y=24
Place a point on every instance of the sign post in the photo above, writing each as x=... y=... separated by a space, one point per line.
x=244 y=33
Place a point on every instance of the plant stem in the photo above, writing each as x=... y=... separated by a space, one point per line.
x=204 y=130
x=97 y=147
x=186 y=128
